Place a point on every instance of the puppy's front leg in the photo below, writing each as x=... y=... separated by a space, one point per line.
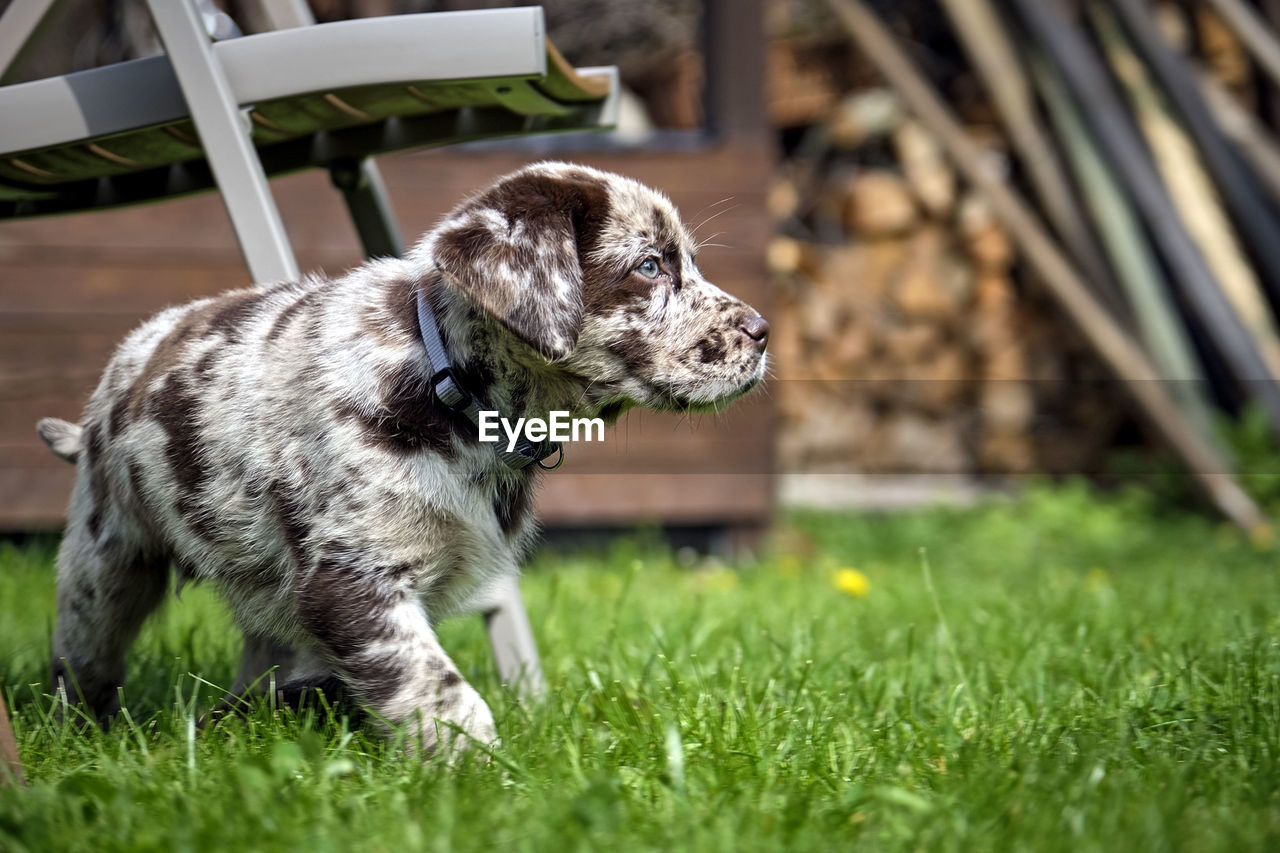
x=373 y=627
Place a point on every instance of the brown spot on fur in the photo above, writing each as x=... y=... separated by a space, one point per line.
x=223 y=315
x=206 y=363
x=166 y=355
x=144 y=511
x=287 y=314
x=712 y=349
x=199 y=518
x=228 y=314
x=291 y=515
x=380 y=678
x=346 y=605
x=511 y=503
x=582 y=195
x=635 y=352
x=97 y=477
x=177 y=409
x=409 y=419
x=119 y=411
x=393 y=319
x=624 y=291
x=552 y=209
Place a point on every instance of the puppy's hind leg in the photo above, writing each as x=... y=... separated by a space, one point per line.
x=106 y=589
x=266 y=664
x=263 y=661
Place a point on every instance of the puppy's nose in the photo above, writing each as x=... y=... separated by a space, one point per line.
x=757 y=328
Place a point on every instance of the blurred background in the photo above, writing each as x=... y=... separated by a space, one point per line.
x=920 y=351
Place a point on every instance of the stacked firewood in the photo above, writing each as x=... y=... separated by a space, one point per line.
x=903 y=343
x=1137 y=173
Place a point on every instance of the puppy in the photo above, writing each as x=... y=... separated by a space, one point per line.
x=299 y=446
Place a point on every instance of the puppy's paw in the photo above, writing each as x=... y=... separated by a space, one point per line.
x=462 y=721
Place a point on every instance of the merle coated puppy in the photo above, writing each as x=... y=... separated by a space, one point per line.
x=287 y=443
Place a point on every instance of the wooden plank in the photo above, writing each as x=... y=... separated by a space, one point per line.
x=67 y=360
x=423 y=186
x=34 y=498
x=585 y=499
x=90 y=291
x=656 y=498
x=18 y=421
x=665 y=447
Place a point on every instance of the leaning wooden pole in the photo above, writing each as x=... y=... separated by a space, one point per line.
x=1243 y=128
x=1195 y=196
x=1136 y=265
x=995 y=58
x=1122 y=355
x=1121 y=142
x=1255 y=224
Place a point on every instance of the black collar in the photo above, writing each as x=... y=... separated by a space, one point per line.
x=455 y=398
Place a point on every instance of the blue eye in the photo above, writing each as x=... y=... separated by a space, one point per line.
x=649 y=269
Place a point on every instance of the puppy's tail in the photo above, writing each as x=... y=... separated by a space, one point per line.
x=62 y=437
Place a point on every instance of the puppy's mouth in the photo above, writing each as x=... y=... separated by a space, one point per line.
x=715 y=394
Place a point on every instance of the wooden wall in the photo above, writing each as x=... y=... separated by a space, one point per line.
x=71 y=287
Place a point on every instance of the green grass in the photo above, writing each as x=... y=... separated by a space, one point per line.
x=1089 y=675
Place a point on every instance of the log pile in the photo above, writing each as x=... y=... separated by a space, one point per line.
x=1129 y=150
x=903 y=342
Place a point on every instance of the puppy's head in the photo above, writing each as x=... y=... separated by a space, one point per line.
x=597 y=274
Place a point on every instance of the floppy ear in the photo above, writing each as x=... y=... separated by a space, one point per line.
x=514 y=252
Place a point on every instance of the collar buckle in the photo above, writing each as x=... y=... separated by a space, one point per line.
x=450 y=394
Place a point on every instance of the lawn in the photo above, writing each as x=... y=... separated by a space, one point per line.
x=1063 y=672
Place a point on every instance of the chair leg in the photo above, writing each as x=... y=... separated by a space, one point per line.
x=514 y=648
x=370 y=209
x=226 y=142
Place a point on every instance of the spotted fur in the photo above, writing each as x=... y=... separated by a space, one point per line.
x=281 y=442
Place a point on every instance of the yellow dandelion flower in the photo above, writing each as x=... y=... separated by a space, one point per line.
x=851 y=582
